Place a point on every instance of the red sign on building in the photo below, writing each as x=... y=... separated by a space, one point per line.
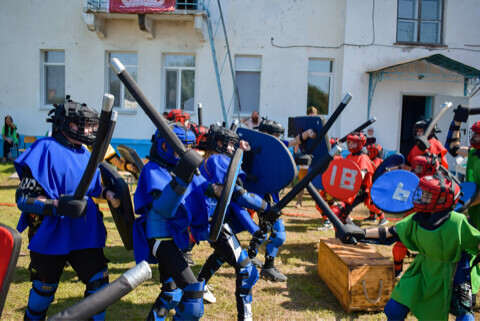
x=141 y=6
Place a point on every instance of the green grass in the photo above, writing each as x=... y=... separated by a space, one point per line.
x=303 y=297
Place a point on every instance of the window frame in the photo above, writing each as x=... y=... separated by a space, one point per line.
x=331 y=77
x=178 y=86
x=121 y=109
x=251 y=70
x=43 y=75
x=418 y=22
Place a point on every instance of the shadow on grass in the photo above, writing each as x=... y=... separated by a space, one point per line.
x=302 y=225
x=118 y=254
x=9 y=187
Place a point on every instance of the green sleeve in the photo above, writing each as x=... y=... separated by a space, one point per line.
x=405 y=230
x=470 y=236
x=472 y=159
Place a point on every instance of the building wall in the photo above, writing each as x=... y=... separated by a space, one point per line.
x=285 y=35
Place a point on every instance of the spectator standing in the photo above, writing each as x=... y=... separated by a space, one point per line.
x=253 y=121
x=9 y=135
x=370 y=138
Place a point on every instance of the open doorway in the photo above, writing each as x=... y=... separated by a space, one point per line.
x=413 y=109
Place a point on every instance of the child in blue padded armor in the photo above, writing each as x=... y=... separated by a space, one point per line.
x=220 y=147
x=170 y=198
x=62 y=229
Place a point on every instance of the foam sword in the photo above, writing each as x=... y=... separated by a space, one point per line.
x=359 y=128
x=422 y=141
x=346 y=232
x=98 y=150
x=151 y=112
x=106 y=296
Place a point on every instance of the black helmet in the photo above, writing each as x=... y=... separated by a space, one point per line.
x=220 y=133
x=423 y=124
x=85 y=119
x=271 y=127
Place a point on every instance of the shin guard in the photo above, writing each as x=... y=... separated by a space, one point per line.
x=399 y=252
x=248 y=277
x=191 y=305
x=276 y=239
x=41 y=296
x=168 y=299
x=97 y=282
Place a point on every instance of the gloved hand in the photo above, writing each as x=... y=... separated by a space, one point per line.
x=69 y=206
x=257 y=239
x=461 y=113
x=350 y=234
x=271 y=215
x=187 y=165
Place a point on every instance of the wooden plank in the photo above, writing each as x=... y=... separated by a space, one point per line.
x=356 y=255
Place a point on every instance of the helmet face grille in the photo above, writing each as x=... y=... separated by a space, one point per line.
x=475 y=135
x=271 y=127
x=76 y=121
x=219 y=138
x=435 y=193
x=161 y=149
x=425 y=164
x=359 y=139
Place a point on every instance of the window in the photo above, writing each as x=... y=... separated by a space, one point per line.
x=123 y=98
x=420 y=21
x=247 y=75
x=320 y=73
x=180 y=82
x=53 y=83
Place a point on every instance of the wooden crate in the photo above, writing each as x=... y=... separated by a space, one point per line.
x=360 y=278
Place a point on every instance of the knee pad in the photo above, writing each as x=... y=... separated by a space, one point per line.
x=395 y=310
x=461 y=304
x=41 y=296
x=168 y=299
x=98 y=281
x=191 y=305
x=399 y=251
x=276 y=239
x=249 y=276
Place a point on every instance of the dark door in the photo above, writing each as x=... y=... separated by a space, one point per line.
x=413 y=108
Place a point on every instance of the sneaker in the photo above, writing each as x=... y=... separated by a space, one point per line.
x=255 y=261
x=187 y=255
x=370 y=219
x=327 y=225
x=383 y=222
x=208 y=295
x=273 y=274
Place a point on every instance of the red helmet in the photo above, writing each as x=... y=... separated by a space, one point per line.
x=201 y=135
x=425 y=164
x=178 y=116
x=475 y=135
x=435 y=193
x=358 y=138
x=374 y=151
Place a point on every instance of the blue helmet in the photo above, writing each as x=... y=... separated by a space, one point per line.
x=186 y=136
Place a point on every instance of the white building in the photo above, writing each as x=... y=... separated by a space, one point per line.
x=51 y=48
